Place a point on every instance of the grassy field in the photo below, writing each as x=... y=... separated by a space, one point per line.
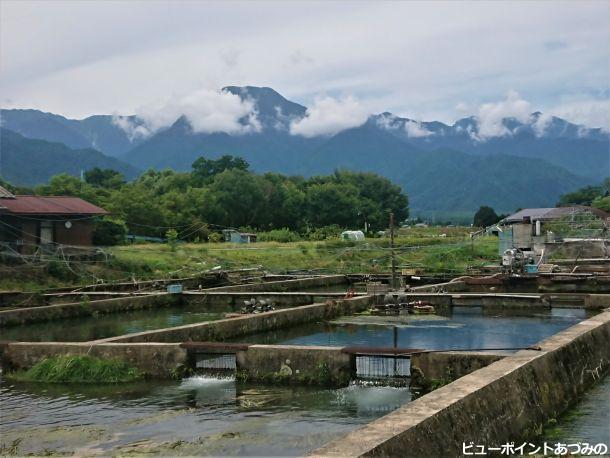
x=433 y=250
x=425 y=249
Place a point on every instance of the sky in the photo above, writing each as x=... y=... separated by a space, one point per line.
x=431 y=60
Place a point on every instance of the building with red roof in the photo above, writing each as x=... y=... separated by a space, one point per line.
x=30 y=222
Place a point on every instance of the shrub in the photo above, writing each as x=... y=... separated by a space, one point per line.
x=283 y=235
x=214 y=237
x=59 y=270
x=325 y=232
x=108 y=232
x=172 y=239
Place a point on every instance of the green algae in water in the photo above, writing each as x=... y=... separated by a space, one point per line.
x=79 y=369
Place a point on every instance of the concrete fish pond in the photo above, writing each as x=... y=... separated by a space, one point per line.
x=308 y=365
x=456 y=328
x=99 y=326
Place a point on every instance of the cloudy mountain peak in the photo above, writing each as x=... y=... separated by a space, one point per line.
x=272 y=109
x=430 y=159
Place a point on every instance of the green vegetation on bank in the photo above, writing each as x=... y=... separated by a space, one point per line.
x=433 y=250
x=79 y=369
x=424 y=249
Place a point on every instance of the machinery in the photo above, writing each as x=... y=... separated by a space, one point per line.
x=515 y=260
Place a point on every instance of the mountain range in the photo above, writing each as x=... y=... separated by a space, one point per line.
x=442 y=167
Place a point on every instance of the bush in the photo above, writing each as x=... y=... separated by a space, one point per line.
x=283 y=235
x=172 y=239
x=79 y=369
x=108 y=232
x=215 y=237
x=59 y=270
x=325 y=232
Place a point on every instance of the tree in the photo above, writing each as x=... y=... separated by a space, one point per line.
x=108 y=231
x=240 y=196
x=204 y=170
x=586 y=195
x=285 y=202
x=377 y=197
x=485 y=216
x=68 y=185
x=603 y=203
x=332 y=203
x=104 y=178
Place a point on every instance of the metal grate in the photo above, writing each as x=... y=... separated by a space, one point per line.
x=215 y=362
x=382 y=367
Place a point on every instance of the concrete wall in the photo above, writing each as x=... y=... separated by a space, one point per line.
x=205 y=280
x=556 y=283
x=221 y=330
x=596 y=301
x=15 y=299
x=60 y=311
x=428 y=369
x=451 y=286
x=229 y=301
x=155 y=360
x=577 y=249
x=310 y=365
x=509 y=400
x=288 y=285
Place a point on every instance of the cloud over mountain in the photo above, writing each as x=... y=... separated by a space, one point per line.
x=205 y=110
x=329 y=116
x=490 y=116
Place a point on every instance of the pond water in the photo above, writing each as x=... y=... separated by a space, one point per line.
x=109 y=325
x=588 y=422
x=198 y=416
x=460 y=327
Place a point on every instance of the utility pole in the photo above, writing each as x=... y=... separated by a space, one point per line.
x=392 y=253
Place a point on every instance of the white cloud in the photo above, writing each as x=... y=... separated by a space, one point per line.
x=206 y=111
x=328 y=115
x=590 y=112
x=120 y=61
x=132 y=128
x=490 y=116
x=540 y=124
x=387 y=121
x=416 y=129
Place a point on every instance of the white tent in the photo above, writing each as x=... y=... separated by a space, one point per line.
x=352 y=235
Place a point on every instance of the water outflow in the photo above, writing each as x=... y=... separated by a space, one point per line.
x=197 y=416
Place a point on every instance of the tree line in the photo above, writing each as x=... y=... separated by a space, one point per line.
x=594 y=196
x=225 y=193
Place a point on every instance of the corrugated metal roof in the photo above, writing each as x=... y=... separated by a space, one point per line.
x=50 y=205
x=551 y=213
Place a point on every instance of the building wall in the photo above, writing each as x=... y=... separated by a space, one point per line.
x=522 y=236
x=80 y=234
x=24 y=233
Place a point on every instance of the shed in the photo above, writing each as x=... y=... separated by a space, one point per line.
x=233 y=236
x=526 y=228
x=28 y=222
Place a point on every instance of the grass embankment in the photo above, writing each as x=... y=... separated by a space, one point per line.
x=79 y=369
x=426 y=249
